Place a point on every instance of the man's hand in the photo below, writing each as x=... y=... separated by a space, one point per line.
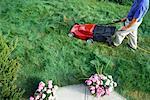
x=123 y=19
x=124 y=28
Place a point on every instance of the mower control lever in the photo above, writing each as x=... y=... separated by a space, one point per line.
x=116 y=21
x=113 y=22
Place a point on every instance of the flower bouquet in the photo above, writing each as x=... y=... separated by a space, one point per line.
x=45 y=92
x=100 y=85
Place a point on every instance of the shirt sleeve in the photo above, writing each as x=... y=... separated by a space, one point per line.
x=131 y=9
x=140 y=11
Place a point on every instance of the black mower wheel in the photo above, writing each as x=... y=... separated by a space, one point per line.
x=89 y=41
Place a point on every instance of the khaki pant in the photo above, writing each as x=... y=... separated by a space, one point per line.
x=131 y=33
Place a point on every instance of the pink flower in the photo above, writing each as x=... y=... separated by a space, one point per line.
x=100 y=91
x=31 y=98
x=88 y=82
x=91 y=77
x=92 y=88
x=97 y=86
x=50 y=84
x=37 y=97
x=39 y=90
x=41 y=86
x=98 y=82
x=107 y=92
x=96 y=77
x=94 y=80
x=93 y=91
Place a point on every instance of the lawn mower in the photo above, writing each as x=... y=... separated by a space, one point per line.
x=94 y=32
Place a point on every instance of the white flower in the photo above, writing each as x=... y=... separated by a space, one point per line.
x=103 y=77
x=37 y=97
x=50 y=97
x=53 y=98
x=54 y=91
x=110 y=77
x=111 y=84
x=50 y=82
x=43 y=96
x=107 y=82
x=55 y=87
x=44 y=89
x=115 y=84
x=50 y=86
x=48 y=91
x=101 y=83
x=110 y=89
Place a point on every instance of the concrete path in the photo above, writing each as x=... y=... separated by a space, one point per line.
x=81 y=92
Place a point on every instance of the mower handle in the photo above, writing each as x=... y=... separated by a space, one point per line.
x=117 y=21
x=114 y=22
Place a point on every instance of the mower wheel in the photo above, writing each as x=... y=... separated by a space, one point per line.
x=89 y=41
x=71 y=35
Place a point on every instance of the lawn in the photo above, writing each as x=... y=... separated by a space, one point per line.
x=46 y=52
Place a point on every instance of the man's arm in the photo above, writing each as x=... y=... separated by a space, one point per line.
x=134 y=20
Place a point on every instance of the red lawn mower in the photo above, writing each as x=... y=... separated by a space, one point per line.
x=93 y=32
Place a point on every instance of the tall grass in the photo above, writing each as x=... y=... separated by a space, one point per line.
x=46 y=52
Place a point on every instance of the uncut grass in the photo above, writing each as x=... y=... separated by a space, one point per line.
x=46 y=52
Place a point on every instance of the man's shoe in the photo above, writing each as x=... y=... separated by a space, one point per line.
x=133 y=49
x=112 y=45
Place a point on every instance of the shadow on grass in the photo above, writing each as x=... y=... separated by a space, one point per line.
x=30 y=86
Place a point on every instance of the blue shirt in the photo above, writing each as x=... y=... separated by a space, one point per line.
x=138 y=9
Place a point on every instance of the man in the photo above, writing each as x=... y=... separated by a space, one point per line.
x=132 y=22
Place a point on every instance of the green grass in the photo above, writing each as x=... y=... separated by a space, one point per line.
x=46 y=52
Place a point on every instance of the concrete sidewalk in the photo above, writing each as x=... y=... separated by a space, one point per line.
x=81 y=92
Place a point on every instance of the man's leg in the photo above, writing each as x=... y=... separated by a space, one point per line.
x=133 y=35
x=133 y=39
x=119 y=36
